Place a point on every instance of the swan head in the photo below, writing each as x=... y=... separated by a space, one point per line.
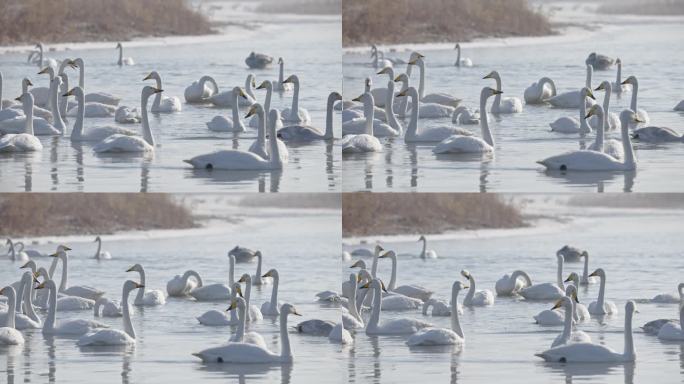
x=272 y=273
x=421 y=238
x=415 y=56
x=562 y=302
x=28 y=264
x=153 y=75
x=493 y=75
x=630 y=307
x=587 y=93
x=135 y=268
x=458 y=46
x=334 y=96
x=251 y=79
x=97 y=239
x=627 y=116
x=240 y=92
x=245 y=278
x=237 y=302
x=571 y=291
x=75 y=91
x=390 y=254
x=26 y=83
x=598 y=272
x=387 y=70
x=289 y=309
x=264 y=85
x=465 y=273
x=238 y=290
x=632 y=80
x=45 y=70
x=488 y=92
x=149 y=91
x=63 y=248
x=595 y=110
x=573 y=276
x=604 y=85
x=8 y=292
x=47 y=284
x=26 y=99
x=130 y=285
x=60 y=253
x=359 y=264
x=458 y=286
x=280 y=60
x=291 y=79
x=118 y=45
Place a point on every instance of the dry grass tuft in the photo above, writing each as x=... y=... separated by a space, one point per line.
x=302 y=7
x=420 y=21
x=365 y=214
x=46 y=214
x=28 y=21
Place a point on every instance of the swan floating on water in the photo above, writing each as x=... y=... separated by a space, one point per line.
x=96 y=97
x=270 y=308
x=295 y=114
x=242 y=254
x=426 y=253
x=568 y=335
x=610 y=147
x=461 y=62
x=540 y=92
x=401 y=326
x=100 y=254
x=73 y=290
x=657 y=135
x=431 y=134
x=8 y=334
x=228 y=98
x=575 y=125
x=351 y=319
x=217 y=318
x=442 y=336
x=547 y=291
x=476 y=298
x=240 y=304
x=254 y=121
x=221 y=123
x=258 y=60
x=126 y=115
x=201 y=91
x=408 y=290
x=259 y=146
x=599 y=61
x=667 y=298
x=587 y=160
x=509 y=285
x=104 y=337
x=22 y=142
x=612 y=120
x=359 y=125
x=363 y=142
x=340 y=335
x=107 y=308
x=581 y=313
x=19 y=124
x=253 y=313
x=618 y=87
x=503 y=105
x=163 y=104
x=180 y=286
x=571 y=99
x=67 y=328
x=471 y=144
x=554 y=316
x=595 y=353
x=23 y=291
x=301 y=133
x=279 y=85
x=123 y=60
x=439 y=98
x=602 y=306
x=146 y=297
x=642 y=114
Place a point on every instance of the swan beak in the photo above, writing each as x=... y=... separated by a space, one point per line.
x=382 y=285
x=18 y=98
x=158 y=90
x=24 y=266
x=383 y=71
x=233 y=305
x=413 y=62
x=600 y=87
x=590 y=114
x=466 y=286
x=638 y=120
x=567 y=280
x=625 y=82
x=262 y=85
x=242 y=280
x=53 y=255
x=357 y=98
x=396 y=79
x=250 y=112
x=489 y=76
x=401 y=94
x=66 y=248
x=574 y=296
x=557 y=305
x=130 y=269
x=267 y=274
x=294 y=312
x=139 y=285
x=43 y=71
x=70 y=93
x=420 y=55
x=288 y=80
x=41 y=285
x=593 y=274
x=495 y=92
x=365 y=286
x=148 y=77
x=590 y=94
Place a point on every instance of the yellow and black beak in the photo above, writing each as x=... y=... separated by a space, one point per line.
x=158 y=90
x=137 y=285
x=148 y=77
x=557 y=305
x=251 y=112
x=357 y=98
x=496 y=92
x=294 y=312
x=17 y=98
x=239 y=291
x=590 y=94
x=43 y=71
x=130 y=269
x=233 y=305
x=267 y=274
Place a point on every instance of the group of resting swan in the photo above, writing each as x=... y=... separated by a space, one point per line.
x=366 y=290
x=30 y=294
x=375 y=114
x=44 y=111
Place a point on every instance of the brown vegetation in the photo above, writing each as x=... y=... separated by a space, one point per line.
x=640 y=7
x=27 y=21
x=365 y=214
x=302 y=7
x=29 y=214
x=637 y=200
x=420 y=21
x=294 y=200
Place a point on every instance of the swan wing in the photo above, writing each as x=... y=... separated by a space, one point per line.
x=237 y=353
x=580 y=353
x=361 y=143
x=106 y=337
x=434 y=336
x=583 y=161
x=463 y=144
x=22 y=142
x=123 y=143
x=230 y=160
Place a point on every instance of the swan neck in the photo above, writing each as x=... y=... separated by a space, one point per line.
x=294 y=112
x=141 y=291
x=588 y=79
x=11 y=308
x=77 y=131
x=368 y=113
x=28 y=300
x=618 y=79
x=274 y=292
x=421 y=84
x=81 y=75
x=630 y=162
x=497 y=98
x=567 y=322
x=128 y=325
x=147 y=131
x=415 y=106
x=120 y=55
x=274 y=151
x=261 y=130
x=389 y=107
x=281 y=74
x=158 y=96
x=484 y=123
x=99 y=248
x=471 y=290
x=375 y=312
x=351 y=304
x=635 y=91
x=374 y=266
x=242 y=320
x=28 y=111
x=602 y=291
x=559 y=273
x=231 y=271
x=286 y=348
x=329 y=118
x=53 y=266
x=681 y=317
x=630 y=351
x=422 y=253
x=52 y=306
x=458 y=56
x=403 y=102
x=65 y=273
x=54 y=101
x=585 y=272
x=600 y=134
x=393 y=277
x=584 y=126
x=455 y=323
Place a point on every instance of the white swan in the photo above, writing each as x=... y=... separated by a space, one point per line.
x=547 y=291
x=439 y=308
x=64 y=302
x=123 y=60
x=581 y=311
x=555 y=316
x=114 y=336
x=41 y=95
x=602 y=306
x=254 y=121
x=245 y=353
x=118 y=143
x=22 y=142
x=163 y=104
x=671 y=331
x=570 y=124
x=201 y=91
x=363 y=142
x=300 y=115
x=503 y=105
x=217 y=318
x=540 y=92
x=242 y=254
x=22 y=301
x=612 y=120
x=657 y=135
x=302 y=133
x=8 y=334
x=315 y=327
x=340 y=335
x=270 y=308
x=610 y=147
x=100 y=254
x=258 y=278
x=126 y=115
x=239 y=305
x=465 y=116
x=259 y=146
x=71 y=327
x=211 y=292
x=351 y=319
x=568 y=336
x=380 y=95
x=253 y=313
x=426 y=135
x=43 y=60
x=642 y=114
x=230 y=159
x=667 y=298
x=57 y=118
x=571 y=99
x=509 y=285
x=355 y=109
x=358 y=126
x=471 y=144
x=146 y=297
x=461 y=62
x=95 y=97
x=410 y=290
x=223 y=124
x=402 y=326
x=599 y=61
x=618 y=87
x=279 y=85
x=228 y=98
x=476 y=298
x=74 y=290
x=586 y=160
x=595 y=353
x=439 y=98
x=571 y=253
x=180 y=286
x=107 y=308
x=426 y=253
x=378 y=61
x=442 y=336
x=21 y=254
x=79 y=133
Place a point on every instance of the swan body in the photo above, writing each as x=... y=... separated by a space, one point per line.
x=68 y=328
x=22 y=142
x=295 y=114
x=476 y=298
x=254 y=121
x=612 y=148
x=351 y=319
x=223 y=124
x=211 y=292
x=82 y=291
x=228 y=98
x=100 y=254
x=258 y=60
x=432 y=134
x=216 y=318
x=672 y=331
x=602 y=306
x=667 y=298
x=657 y=135
x=246 y=353
x=465 y=116
x=147 y=297
x=114 y=336
x=503 y=105
x=79 y=133
x=180 y=286
x=315 y=327
x=509 y=285
x=163 y=104
x=74 y=303
x=540 y=92
x=467 y=144
x=252 y=312
x=259 y=146
x=41 y=127
x=410 y=291
x=123 y=60
x=126 y=115
x=599 y=61
x=22 y=300
x=201 y=91
x=107 y=308
x=439 y=308
x=399 y=302
x=363 y=142
x=595 y=353
x=309 y=133
x=426 y=253
x=270 y=308
x=439 y=98
x=641 y=114
x=400 y=326
x=9 y=335
x=568 y=336
x=549 y=317
x=442 y=336
x=238 y=304
x=242 y=254
x=572 y=99
x=242 y=160
x=573 y=125
x=547 y=291
x=462 y=62
x=340 y=335
x=93 y=109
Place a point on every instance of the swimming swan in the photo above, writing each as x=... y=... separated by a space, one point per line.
x=270 y=308
x=612 y=120
x=602 y=306
x=100 y=254
x=402 y=326
x=599 y=61
x=426 y=135
x=476 y=298
x=22 y=142
x=643 y=116
x=573 y=125
x=595 y=353
x=426 y=253
x=180 y=286
x=253 y=313
x=471 y=144
x=105 y=337
x=279 y=85
x=301 y=133
x=240 y=305
x=547 y=291
x=503 y=105
x=363 y=142
x=540 y=92
x=409 y=290
x=245 y=353
x=587 y=160
x=163 y=104
x=218 y=318
x=509 y=285
x=571 y=99
x=568 y=336
x=294 y=114
x=259 y=146
x=442 y=336
x=8 y=334
x=223 y=124
x=124 y=143
x=358 y=126
x=227 y=99
x=79 y=133
x=201 y=91
x=254 y=121
x=146 y=297
x=461 y=62
x=74 y=290
x=71 y=327
x=123 y=60
x=610 y=147
x=439 y=98
x=96 y=97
